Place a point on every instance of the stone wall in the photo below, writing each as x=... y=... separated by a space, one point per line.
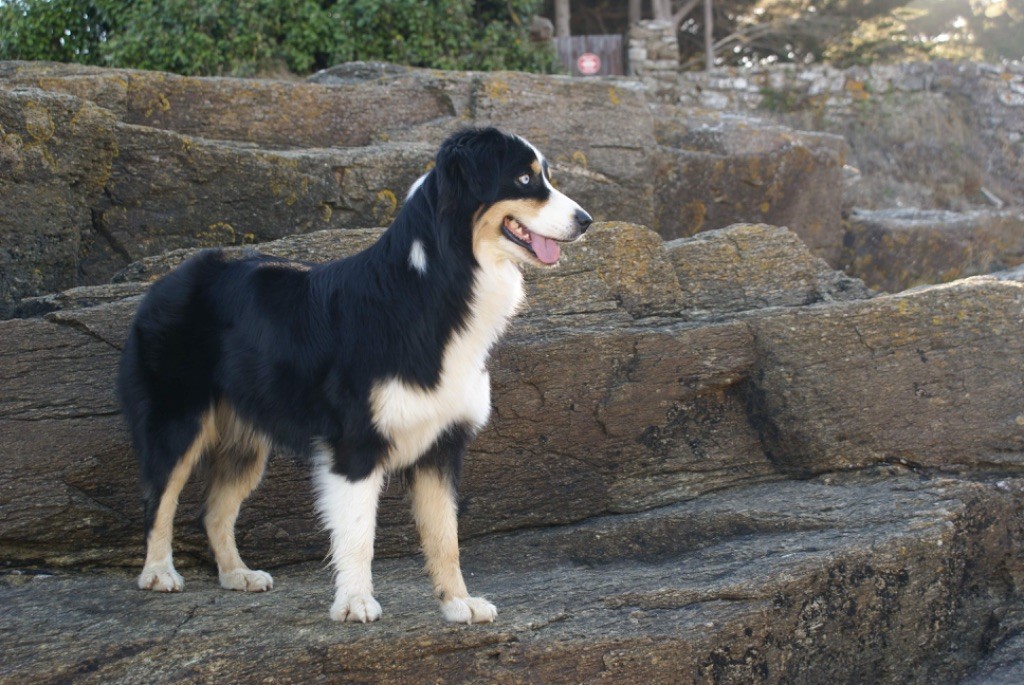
x=653 y=54
x=934 y=134
x=783 y=86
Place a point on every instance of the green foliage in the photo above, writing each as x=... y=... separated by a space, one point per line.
x=459 y=34
x=62 y=30
x=219 y=36
x=252 y=36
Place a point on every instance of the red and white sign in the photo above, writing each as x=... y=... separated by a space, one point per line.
x=588 y=64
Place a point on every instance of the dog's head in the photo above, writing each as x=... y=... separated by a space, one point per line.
x=503 y=184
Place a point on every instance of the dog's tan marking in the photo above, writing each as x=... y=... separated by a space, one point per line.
x=436 y=513
x=236 y=468
x=158 y=572
x=488 y=223
x=552 y=218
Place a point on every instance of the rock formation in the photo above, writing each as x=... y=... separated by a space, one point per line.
x=166 y=162
x=712 y=457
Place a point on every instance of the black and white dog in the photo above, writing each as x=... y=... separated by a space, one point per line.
x=370 y=365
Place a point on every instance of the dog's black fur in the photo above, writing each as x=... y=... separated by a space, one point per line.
x=294 y=349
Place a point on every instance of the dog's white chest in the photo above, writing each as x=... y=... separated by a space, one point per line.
x=412 y=417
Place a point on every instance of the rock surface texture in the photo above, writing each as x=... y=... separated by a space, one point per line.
x=712 y=458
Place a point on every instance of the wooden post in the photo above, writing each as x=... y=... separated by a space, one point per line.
x=709 y=37
x=562 y=18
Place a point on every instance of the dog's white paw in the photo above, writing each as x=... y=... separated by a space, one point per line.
x=469 y=610
x=246 y=580
x=355 y=608
x=161 y=578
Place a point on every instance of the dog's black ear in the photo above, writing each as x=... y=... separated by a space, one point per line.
x=468 y=166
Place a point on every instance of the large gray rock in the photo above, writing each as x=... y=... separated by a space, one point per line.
x=171 y=191
x=650 y=410
x=628 y=508
x=615 y=266
x=87 y=194
x=641 y=413
x=268 y=113
x=603 y=160
x=658 y=410
x=601 y=146
x=656 y=413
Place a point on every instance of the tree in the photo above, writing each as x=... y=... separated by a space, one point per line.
x=636 y=8
x=562 y=19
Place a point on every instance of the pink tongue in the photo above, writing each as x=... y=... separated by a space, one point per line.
x=546 y=249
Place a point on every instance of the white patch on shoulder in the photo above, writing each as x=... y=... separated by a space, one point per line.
x=411 y=417
x=418 y=257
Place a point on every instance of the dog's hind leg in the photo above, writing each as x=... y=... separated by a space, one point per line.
x=158 y=572
x=236 y=468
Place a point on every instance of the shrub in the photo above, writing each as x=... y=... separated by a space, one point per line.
x=249 y=36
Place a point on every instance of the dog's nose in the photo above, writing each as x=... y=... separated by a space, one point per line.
x=583 y=220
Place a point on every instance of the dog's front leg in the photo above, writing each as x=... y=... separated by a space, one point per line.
x=435 y=509
x=349 y=510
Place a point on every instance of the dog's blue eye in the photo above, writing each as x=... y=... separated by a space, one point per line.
x=523 y=180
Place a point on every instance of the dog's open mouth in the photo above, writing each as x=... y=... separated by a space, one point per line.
x=543 y=248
